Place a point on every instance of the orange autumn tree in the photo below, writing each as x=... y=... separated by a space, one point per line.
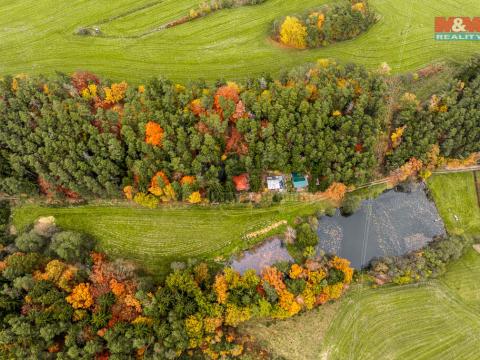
x=336 y=192
x=227 y=92
x=158 y=182
x=153 y=134
x=160 y=186
x=187 y=179
x=409 y=169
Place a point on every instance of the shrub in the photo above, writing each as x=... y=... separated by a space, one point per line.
x=71 y=246
x=351 y=204
x=30 y=242
x=146 y=200
x=306 y=236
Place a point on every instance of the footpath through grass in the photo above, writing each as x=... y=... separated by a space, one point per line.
x=38 y=36
x=155 y=238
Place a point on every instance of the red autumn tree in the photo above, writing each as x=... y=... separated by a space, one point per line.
x=227 y=92
x=236 y=143
x=81 y=80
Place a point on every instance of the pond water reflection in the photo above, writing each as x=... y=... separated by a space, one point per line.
x=392 y=224
x=266 y=254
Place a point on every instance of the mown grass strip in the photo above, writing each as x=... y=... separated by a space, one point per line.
x=155 y=238
x=456 y=200
x=232 y=43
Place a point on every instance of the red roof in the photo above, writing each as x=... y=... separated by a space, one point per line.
x=241 y=182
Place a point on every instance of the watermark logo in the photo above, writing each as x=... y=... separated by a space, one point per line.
x=457 y=28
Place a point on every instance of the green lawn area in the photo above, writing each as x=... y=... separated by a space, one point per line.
x=455 y=194
x=436 y=320
x=38 y=37
x=155 y=238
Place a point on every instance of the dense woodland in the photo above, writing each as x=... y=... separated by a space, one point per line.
x=81 y=137
x=59 y=300
x=447 y=125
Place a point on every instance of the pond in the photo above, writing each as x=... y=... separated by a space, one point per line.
x=394 y=223
x=266 y=254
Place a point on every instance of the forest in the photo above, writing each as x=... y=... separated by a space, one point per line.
x=77 y=136
x=82 y=137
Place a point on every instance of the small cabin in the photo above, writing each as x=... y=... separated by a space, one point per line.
x=276 y=183
x=241 y=182
x=299 y=181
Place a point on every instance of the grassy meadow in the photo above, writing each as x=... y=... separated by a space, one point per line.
x=155 y=238
x=455 y=195
x=439 y=319
x=39 y=37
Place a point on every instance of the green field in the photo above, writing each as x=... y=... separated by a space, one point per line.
x=455 y=195
x=155 y=238
x=37 y=36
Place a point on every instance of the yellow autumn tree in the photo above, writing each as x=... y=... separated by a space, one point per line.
x=293 y=33
x=128 y=192
x=396 y=136
x=194 y=198
x=221 y=289
x=115 y=93
x=81 y=297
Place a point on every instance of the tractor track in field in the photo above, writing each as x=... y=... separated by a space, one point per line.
x=477 y=185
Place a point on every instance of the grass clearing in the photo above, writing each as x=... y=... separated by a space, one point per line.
x=455 y=195
x=157 y=237
x=38 y=37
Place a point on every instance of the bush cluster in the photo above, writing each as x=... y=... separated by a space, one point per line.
x=329 y=24
x=430 y=261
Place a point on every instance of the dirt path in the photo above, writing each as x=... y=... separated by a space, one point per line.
x=476 y=177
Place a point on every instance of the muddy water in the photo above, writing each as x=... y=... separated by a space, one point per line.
x=392 y=224
x=266 y=254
